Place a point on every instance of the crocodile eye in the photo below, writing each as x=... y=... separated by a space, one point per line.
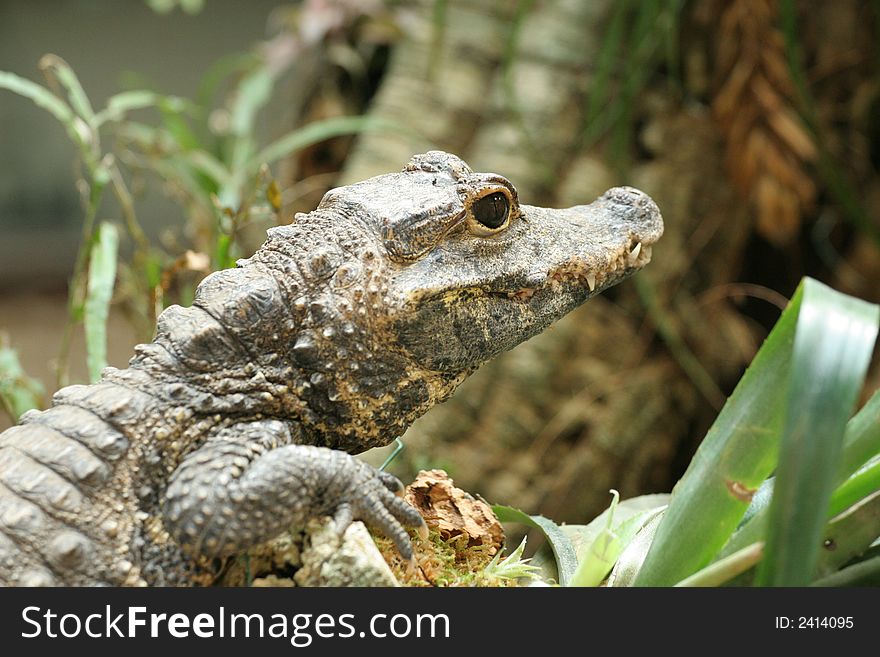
x=492 y=210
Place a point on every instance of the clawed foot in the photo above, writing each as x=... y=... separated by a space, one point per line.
x=375 y=497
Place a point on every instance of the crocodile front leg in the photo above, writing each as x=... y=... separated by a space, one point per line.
x=248 y=484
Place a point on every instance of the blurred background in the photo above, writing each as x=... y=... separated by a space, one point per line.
x=754 y=124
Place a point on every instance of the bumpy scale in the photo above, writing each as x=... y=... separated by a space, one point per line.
x=240 y=419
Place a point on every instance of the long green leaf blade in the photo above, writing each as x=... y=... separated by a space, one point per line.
x=62 y=71
x=833 y=345
x=316 y=132
x=44 y=98
x=860 y=443
x=18 y=391
x=566 y=559
x=741 y=448
x=847 y=536
x=102 y=275
x=737 y=454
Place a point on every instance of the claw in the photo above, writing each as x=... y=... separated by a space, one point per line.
x=342 y=518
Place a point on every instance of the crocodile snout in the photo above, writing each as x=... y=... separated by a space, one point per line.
x=637 y=212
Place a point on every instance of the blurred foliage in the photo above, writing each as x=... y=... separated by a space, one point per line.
x=209 y=155
x=191 y=7
x=18 y=391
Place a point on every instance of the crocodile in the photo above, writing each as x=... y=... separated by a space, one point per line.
x=242 y=419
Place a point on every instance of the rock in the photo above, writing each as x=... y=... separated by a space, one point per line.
x=353 y=561
x=453 y=512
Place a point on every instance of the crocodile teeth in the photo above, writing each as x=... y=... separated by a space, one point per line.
x=591 y=281
x=634 y=254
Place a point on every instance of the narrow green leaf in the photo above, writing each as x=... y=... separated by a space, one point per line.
x=847 y=536
x=128 y=101
x=735 y=457
x=863 y=483
x=102 y=275
x=18 y=391
x=252 y=94
x=633 y=556
x=316 y=132
x=863 y=573
x=44 y=98
x=62 y=71
x=597 y=557
x=582 y=536
x=741 y=448
x=862 y=439
x=175 y=122
x=724 y=570
x=208 y=165
x=566 y=559
x=218 y=73
x=861 y=442
x=832 y=349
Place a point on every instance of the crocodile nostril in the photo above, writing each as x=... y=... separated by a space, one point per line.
x=639 y=210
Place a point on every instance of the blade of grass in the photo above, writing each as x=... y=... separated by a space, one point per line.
x=18 y=391
x=102 y=275
x=865 y=573
x=863 y=483
x=599 y=558
x=832 y=349
x=633 y=556
x=63 y=73
x=44 y=98
x=738 y=453
x=724 y=570
x=582 y=536
x=861 y=442
x=566 y=559
x=847 y=536
x=862 y=439
x=316 y=132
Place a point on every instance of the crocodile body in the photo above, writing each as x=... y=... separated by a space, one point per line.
x=241 y=418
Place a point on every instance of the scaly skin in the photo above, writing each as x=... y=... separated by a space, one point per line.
x=240 y=419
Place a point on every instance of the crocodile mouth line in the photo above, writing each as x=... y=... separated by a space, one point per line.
x=581 y=274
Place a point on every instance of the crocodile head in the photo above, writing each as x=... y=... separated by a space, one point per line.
x=432 y=271
x=474 y=273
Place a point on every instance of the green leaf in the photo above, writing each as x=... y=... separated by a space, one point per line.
x=633 y=556
x=253 y=92
x=861 y=441
x=128 y=101
x=566 y=559
x=724 y=570
x=863 y=573
x=44 y=98
x=102 y=275
x=316 y=132
x=741 y=448
x=18 y=391
x=171 y=110
x=208 y=165
x=62 y=71
x=582 y=536
x=865 y=482
x=513 y=566
x=622 y=522
x=832 y=349
x=847 y=536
